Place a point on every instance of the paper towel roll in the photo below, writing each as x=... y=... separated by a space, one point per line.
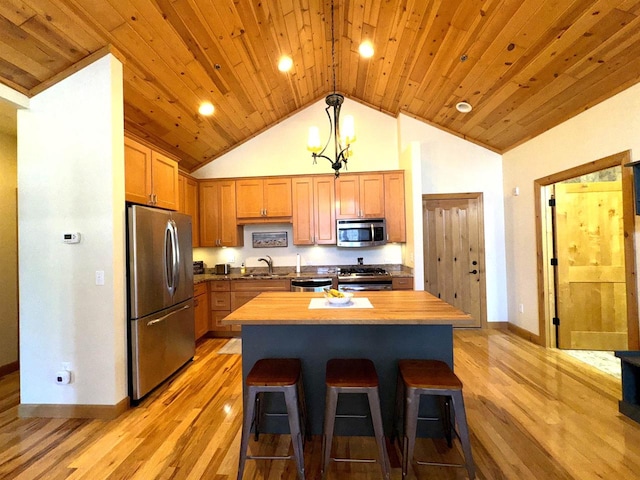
x=297 y=263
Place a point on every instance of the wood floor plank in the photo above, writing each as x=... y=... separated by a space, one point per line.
x=533 y=413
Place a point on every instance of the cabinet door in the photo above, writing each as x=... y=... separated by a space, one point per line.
x=164 y=181
x=188 y=204
x=137 y=172
x=201 y=314
x=230 y=234
x=372 y=196
x=303 y=211
x=249 y=201
x=394 y=207
x=347 y=196
x=218 y=226
x=208 y=193
x=277 y=197
x=324 y=199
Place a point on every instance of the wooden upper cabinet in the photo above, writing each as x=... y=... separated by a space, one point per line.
x=303 y=222
x=262 y=200
x=218 y=224
x=314 y=220
x=360 y=196
x=151 y=178
x=324 y=214
x=394 y=206
x=137 y=172
x=188 y=204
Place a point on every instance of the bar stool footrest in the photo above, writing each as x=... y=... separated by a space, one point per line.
x=355 y=460
x=269 y=457
x=441 y=464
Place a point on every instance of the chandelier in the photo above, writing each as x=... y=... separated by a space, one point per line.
x=343 y=135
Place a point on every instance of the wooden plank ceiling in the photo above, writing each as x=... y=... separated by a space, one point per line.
x=530 y=64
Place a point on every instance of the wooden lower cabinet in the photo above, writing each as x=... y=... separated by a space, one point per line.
x=227 y=295
x=201 y=309
x=220 y=303
x=402 y=283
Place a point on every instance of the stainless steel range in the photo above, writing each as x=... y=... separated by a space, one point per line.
x=357 y=279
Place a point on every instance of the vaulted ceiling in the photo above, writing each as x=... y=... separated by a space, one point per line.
x=524 y=65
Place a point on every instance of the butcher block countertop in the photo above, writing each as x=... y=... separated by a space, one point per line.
x=401 y=307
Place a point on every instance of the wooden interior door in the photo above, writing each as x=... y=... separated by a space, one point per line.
x=454 y=252
x=592 y=305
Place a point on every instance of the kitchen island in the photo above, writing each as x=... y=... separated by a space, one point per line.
x=399 y=324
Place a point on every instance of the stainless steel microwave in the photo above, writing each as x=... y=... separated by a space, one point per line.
x=361 y=232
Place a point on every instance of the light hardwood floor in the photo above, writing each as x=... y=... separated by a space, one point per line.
x=533 y=414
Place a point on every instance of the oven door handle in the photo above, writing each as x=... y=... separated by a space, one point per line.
x=363 y=288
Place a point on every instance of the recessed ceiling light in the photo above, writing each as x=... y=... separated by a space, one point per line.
x=206 y=108
x=285 y=63
x=366 y=49
x=464 y=107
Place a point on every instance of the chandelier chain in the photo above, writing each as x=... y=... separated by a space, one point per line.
x=333 y=47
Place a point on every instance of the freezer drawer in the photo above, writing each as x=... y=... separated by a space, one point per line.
x=160 y=344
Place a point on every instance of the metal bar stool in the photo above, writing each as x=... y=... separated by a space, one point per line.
x=352 y=376
x=271 y=375
x=431 y=377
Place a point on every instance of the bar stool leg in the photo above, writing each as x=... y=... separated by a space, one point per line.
x=331 y=403
x=246 y=429
x=376 y=418
x=257 y=415
x=398 y=411
x=306 y=427
x=410 y=428
x=445 y=408
x=461 y=420
x=295 y=429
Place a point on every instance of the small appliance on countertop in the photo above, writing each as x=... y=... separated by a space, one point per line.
x=198 y=267
x=223 y=269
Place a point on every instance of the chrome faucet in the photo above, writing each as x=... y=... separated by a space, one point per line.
x=269 y=262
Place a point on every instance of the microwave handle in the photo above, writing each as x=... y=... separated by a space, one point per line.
x=373 y=235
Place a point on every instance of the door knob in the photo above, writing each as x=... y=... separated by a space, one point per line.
x=474 y=271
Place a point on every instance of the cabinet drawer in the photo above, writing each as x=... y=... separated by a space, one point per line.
x=199 y=289
x=402 y=283
x=220 y=301
x=219 y=285
x=216 y=318
x=260 y=285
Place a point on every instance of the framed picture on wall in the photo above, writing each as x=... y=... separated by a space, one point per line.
x=270 y=239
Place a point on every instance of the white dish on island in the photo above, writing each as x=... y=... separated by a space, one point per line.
x=339 y=300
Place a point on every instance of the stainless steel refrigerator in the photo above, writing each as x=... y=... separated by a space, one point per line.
x=160 y=296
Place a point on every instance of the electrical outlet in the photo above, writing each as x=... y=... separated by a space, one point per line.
x=99 y=277
x=521 y=308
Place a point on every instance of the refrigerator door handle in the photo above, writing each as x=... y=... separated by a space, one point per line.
x=158 y=320
x=176 y=255
x=169 y=261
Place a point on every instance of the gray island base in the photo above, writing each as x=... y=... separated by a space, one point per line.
x=315 y=344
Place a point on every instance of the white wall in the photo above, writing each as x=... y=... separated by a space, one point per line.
x=451 y=164
x=9 y=251
x=282 y=150
x=411 y=163
x=610 y=127
x=71 y=179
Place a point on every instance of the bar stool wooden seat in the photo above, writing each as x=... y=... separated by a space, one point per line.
x=352 y=375
x=431 y=377
x=275 y=375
